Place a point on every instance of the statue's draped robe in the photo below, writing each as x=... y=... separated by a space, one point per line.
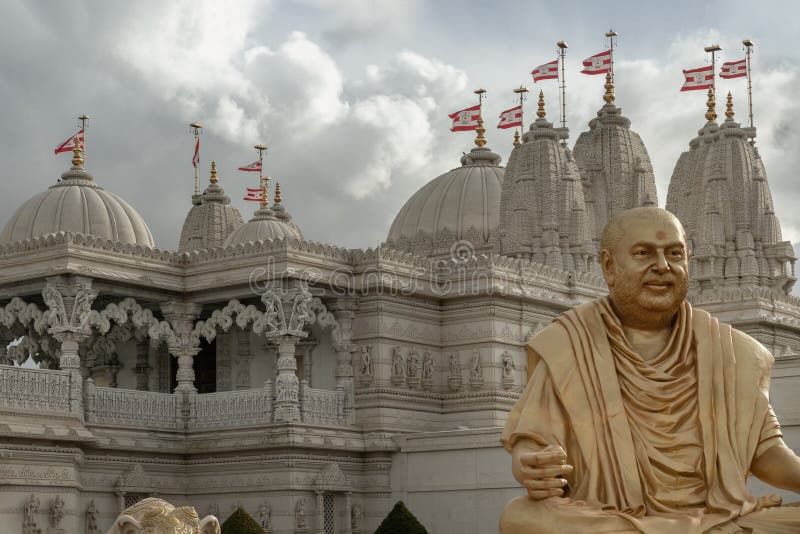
x=663 y=445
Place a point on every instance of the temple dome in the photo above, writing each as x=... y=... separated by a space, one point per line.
x=614 y=165
x=211 y=218
x=77 y=204
x=720 y=193
x=462 y=204
x=267 y=223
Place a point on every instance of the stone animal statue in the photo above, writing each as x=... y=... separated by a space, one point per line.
x=156 y=516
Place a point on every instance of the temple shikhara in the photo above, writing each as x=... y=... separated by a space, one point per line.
x=313 y=385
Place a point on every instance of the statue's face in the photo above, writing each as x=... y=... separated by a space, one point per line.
x=648 y=276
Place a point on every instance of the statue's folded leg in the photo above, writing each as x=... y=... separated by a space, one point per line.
x=559 y=515
x=776 y=520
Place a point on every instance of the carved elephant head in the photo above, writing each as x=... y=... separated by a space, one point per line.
x=156 y=516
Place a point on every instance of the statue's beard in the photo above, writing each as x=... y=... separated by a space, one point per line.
x=638 y=305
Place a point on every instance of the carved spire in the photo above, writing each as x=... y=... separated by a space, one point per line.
x=729 y=107
x=213 y=178
x=77 y=154
x=277 y=192
x=517 y=142
x=609 y=85
x=541 y=113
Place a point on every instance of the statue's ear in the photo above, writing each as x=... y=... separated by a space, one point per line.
x=607 y=266
x=125 y=524
x=209 y=525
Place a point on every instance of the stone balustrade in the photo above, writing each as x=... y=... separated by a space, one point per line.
x=40 y=390
x=322 y=406
x=227 y=409
x=127 y=407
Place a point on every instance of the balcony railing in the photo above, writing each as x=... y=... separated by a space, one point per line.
x=322 y=406
x=40 y=390
x=227 y=409
x=126 y=407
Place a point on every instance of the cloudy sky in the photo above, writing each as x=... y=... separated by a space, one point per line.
x=352 y=96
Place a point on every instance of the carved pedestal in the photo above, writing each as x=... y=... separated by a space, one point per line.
x=287 y=399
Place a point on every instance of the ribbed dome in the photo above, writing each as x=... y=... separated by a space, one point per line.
x=264 y=225
x=211 y=218
x=77 y=204
x=461 y=204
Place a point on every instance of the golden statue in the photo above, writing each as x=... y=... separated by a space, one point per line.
x=156 y=516
x=643 y=414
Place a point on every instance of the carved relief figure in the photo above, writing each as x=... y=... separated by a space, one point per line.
x=366 y=360
x=413 y=364
x=265 y=515
x=302 y=312
x=82 y=306
x=31 y=509
x=508 y=365
x=300 y=515
x=427 y=367
x=52 y=298
x=398 y=363
x=356 y=516
x=475 y=369
x=91 y=518
x=455 y=366
x=56 y=511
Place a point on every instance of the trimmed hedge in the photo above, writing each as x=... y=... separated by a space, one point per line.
x=240 y=522
x=400 y=521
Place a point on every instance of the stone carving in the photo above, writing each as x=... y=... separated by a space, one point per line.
x=30 y=523
x=427 y=370
x=81 y=307
x=213 y=510
x=475 y=371
x=286 y=388
x=265 y=516
x=413 y=364
x=509 y=367
x=130 y=407
x=42 y=390
x=454 y=377
x=331 y=478
x=300 y=522
x=56 y=511
x=155 y=515
x=356 y=518
x=233 y=408
x=398 y=366
x=322 y=406
x=366 y=361
x=91 y=519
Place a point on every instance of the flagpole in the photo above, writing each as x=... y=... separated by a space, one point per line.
x=84 y=119
x=264 y=199
x=196 y=129
x=713 y=49
x=611 y=34
x=748 y=46
x=480 y=140
x=562 y=53
x=521 y=90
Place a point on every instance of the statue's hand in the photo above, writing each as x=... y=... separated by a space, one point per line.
x=541 y=472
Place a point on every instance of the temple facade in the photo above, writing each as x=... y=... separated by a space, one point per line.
x=314 y=385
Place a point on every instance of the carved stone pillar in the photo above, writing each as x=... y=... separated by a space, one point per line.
x=142 y=369
x=287 y=399
x=348 y=511
x=344 y=309
x=181 y=316
x=320 y=512
x=69 y=302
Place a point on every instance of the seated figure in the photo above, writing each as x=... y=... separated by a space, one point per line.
x=156 y=516
x=644 y=414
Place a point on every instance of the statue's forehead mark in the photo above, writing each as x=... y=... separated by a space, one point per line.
x=661 y=234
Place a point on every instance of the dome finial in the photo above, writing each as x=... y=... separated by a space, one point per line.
x=517 y=142
x=277 y=192
x=213 y=178
x=77 y=154
x=711 y=114
x=609 y=85
x=541 y=112
x=480 y=139
x=729 y=107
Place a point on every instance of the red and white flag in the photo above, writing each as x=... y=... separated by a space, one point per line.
x=253 y=167
x=597 y=64
x=548 y=71
x=466 y=119
x=511 y=117
x=254 y=194
x=69 y=144
x=196 y=157
x=700 y=78
x=733 y=69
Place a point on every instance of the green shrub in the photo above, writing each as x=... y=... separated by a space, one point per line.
x=240 y=522
x=400 y=521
